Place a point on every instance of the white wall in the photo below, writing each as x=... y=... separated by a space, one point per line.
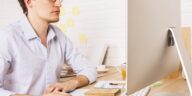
x=101 y=21
x=10 y=11
x=98 y=21
x=186 y=10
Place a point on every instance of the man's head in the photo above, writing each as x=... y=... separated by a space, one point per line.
x=47 y=10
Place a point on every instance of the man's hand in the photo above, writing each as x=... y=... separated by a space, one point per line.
x=56 y=94
x=61 y=87
x=68 y=86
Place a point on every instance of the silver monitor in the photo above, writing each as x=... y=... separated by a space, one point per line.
x=149 y=56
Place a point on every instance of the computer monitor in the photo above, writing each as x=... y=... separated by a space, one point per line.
x=150 y=58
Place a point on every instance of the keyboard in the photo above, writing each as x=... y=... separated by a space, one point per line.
x=142 y=92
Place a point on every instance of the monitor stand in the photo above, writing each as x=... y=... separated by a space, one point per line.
x=175 y=38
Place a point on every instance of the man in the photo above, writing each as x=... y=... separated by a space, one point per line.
x=32 y=53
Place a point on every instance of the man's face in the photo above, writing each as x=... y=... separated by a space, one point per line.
x=47 y=10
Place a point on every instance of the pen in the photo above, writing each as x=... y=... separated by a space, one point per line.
x=116 y=83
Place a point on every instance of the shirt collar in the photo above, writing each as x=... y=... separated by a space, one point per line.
x=30 y=33
x=51 y=33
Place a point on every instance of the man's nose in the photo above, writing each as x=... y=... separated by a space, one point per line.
x=58 y=3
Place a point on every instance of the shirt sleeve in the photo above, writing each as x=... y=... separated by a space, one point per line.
x=79 y=63
x=5 y=58
x=3 y=69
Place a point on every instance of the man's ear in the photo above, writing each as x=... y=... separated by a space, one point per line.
x=28 y=3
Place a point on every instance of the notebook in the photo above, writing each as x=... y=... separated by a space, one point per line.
x=102 y=92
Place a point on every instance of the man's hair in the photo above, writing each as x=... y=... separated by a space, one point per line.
x=23 y=6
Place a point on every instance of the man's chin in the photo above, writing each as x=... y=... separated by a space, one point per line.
x=53 y=20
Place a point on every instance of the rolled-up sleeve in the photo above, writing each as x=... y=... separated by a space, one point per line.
x=5 y=59
x=3 y=69
x=79 y=63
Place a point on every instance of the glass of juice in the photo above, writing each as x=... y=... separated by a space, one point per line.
x=123 y=70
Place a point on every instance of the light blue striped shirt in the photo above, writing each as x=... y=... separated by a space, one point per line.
x=27 y=66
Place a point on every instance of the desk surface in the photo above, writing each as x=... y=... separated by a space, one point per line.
x=112 y=74
x=173 y=86
x=170 y=85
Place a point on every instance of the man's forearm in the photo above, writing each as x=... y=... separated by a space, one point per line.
x=77 y=82
x=81 y=81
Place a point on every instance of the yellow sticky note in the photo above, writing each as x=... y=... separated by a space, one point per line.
x=157 y=84
x=75 y=10
x=62 y=11
x=70 y=22
x=83 y=38
x=63 y=27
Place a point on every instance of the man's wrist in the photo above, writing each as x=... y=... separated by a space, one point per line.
x=72 y=85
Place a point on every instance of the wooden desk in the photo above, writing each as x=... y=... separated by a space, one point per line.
x=176 y=85
x=170 y=85
x=112 y=74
